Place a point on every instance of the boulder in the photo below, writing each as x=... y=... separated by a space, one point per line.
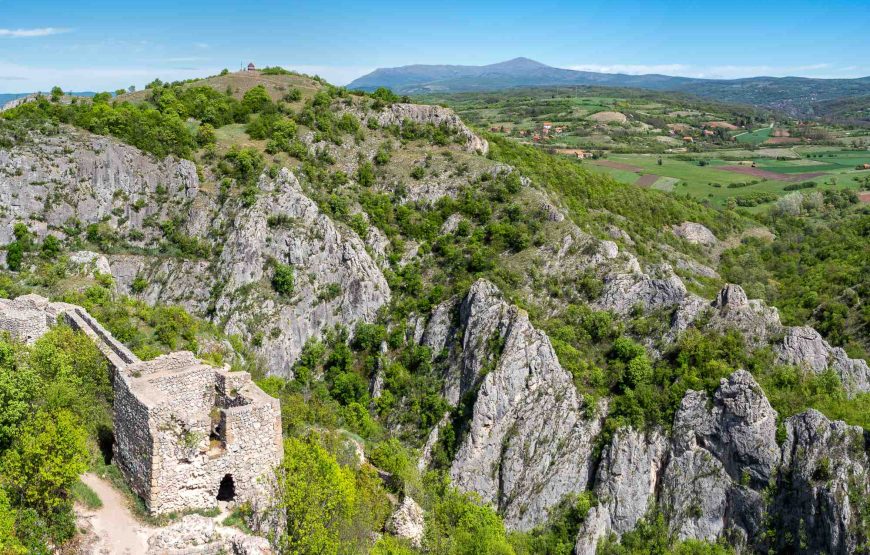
x=696 y=234
x=407 y=522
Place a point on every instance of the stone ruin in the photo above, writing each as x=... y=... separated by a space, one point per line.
x=187 y=434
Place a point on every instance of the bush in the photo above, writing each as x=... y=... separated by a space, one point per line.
x=14 y=256
x=293 y=95
x=282 y=279
x=365 y=174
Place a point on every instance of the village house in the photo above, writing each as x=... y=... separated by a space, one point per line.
x=546 y=127
x=252 y=67
x=688 y=139
x=577 y=152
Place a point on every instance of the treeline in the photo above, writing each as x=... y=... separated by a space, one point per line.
x=817 y=269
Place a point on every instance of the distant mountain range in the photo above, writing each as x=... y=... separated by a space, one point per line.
x=794 y=95
x=8 y=97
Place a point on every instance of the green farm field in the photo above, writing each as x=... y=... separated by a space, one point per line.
x=711 y=181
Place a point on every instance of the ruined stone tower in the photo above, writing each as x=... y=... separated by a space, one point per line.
x=188 y=434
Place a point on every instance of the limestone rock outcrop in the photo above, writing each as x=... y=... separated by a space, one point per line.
x=721 y=459
x=696 y=234
x=823 y=488
x=396 y=113
x=336 y=281
x=407 y=522
x=196 y=534
x=514 y=454
x=803 y=346
x=659 y=289
x=73 y=179
x=625 y=486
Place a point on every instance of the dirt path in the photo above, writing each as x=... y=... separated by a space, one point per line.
x=114 y=526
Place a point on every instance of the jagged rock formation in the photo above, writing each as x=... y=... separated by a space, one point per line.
x=196 y=534
x=407 y=522
x=397 y=113
x=57 y=183
x=721 y=458
x=336 y=282
x=823 y=486
x=514 y=455
x=711 y=477
x=625 y=484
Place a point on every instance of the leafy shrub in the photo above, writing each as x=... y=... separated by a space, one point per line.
x=282 y=279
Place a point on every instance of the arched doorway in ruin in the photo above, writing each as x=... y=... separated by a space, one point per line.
x=227 y=489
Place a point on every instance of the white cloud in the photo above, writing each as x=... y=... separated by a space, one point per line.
x=822 y=70
x=633 y=69
x=30 y=33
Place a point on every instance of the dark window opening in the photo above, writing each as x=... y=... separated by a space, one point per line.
x=227 y=489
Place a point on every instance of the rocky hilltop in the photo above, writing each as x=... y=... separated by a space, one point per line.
x=524 y=337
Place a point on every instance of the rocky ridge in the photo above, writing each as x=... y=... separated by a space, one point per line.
x=712 y=478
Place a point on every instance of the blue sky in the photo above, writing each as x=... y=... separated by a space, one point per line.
x=98 y=45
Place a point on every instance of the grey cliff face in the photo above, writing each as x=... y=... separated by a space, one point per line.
x=514 y=454
x=323 y=257
x=823 y=488
x=71 y=177
x=625 y=486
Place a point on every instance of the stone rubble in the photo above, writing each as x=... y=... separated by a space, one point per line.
x=199 y=535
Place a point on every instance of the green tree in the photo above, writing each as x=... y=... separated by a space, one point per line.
x=14 y=256
x=9 y=543
x=316 y=496
x=51 y=247
x=205 y=134
x=45 y=461
x=459 y=524
x=19 y=385
x=282 y=279
x=365 y=174
x=257 y=99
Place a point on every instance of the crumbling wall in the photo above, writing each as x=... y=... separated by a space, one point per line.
x=186 y=458
x=134 y=443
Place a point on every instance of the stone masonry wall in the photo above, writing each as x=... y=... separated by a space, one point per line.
x=187 y=454
x=134 y=444
x=181 y=426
